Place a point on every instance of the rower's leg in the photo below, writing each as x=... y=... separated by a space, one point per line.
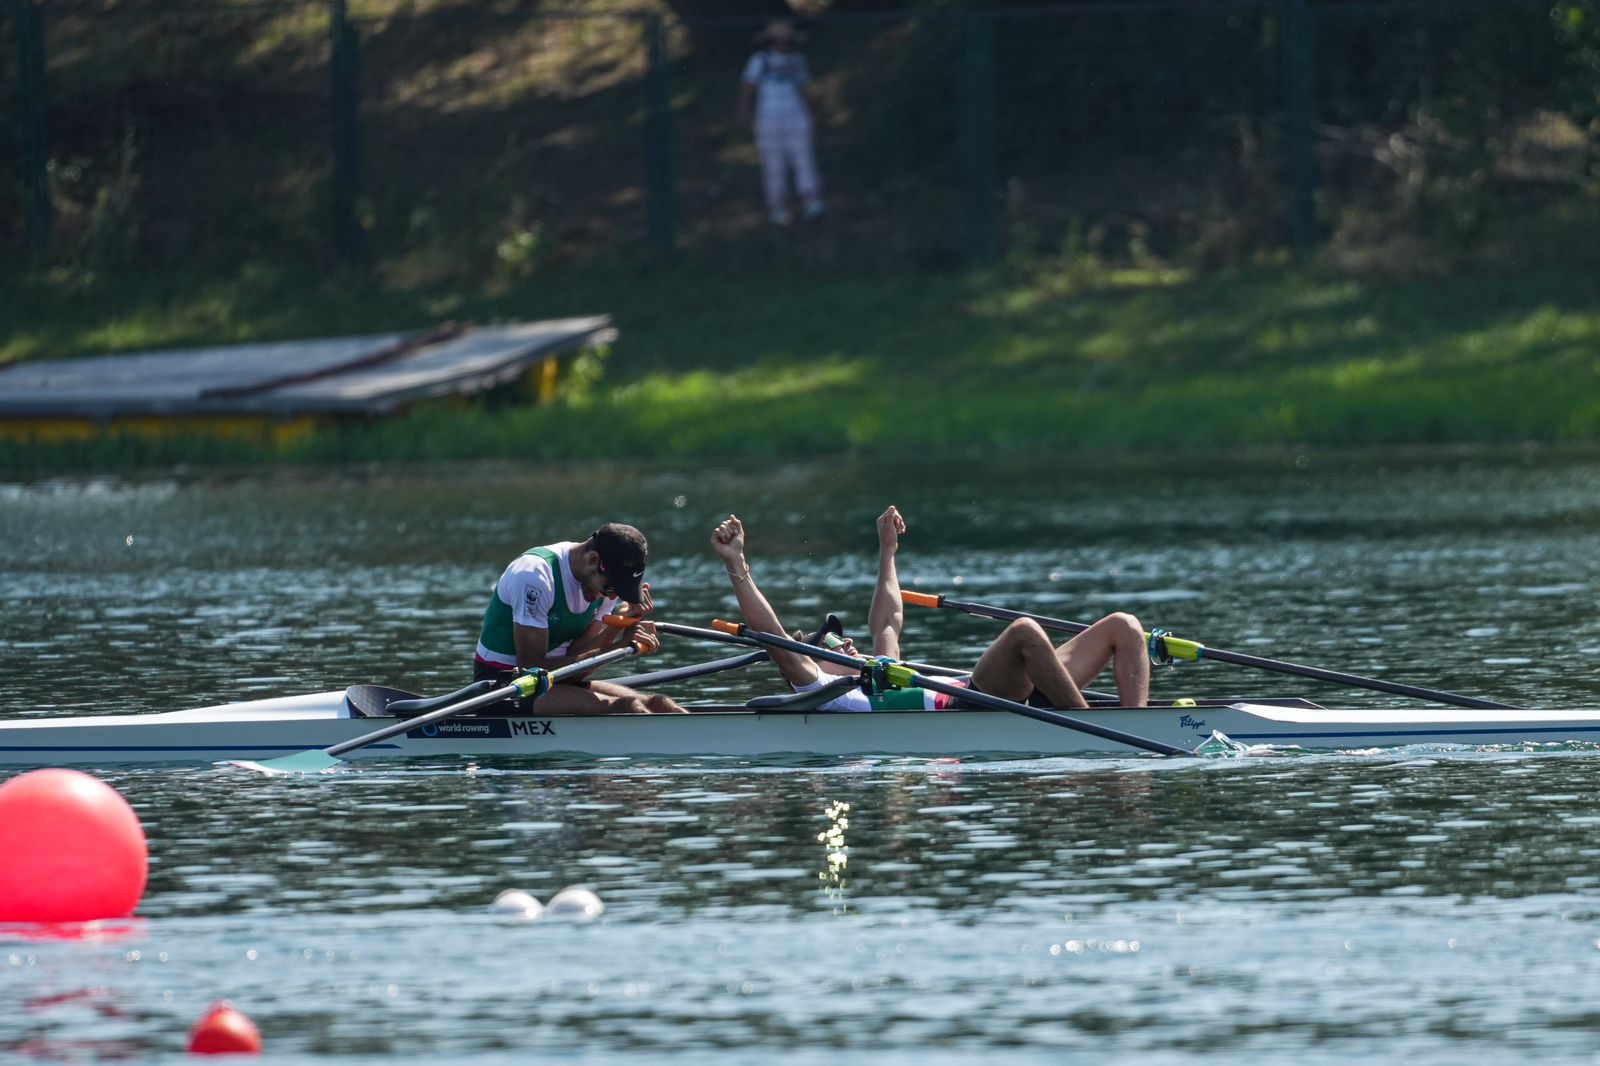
x=1022 y=659
x=632 y=701
x=568 y=699
x=597 y=697
x=1117 y=639
x=655 y=703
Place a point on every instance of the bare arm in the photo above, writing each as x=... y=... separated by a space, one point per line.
x=533 y=645
x=727 y=540
x=533 y=650
x=597 y=638
x=887 y=616
x=600 y=637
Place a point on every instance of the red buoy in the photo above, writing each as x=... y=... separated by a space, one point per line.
x=71 y=849
x=224 y=1031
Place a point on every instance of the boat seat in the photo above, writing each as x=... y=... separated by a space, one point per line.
x=422 y=705
x=372 y=701
x=803 y=702
x=380 y=701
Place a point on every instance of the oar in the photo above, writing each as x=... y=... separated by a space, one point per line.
x=1194 y=651
x=904 y=675
x=683 y=673
x=535 y=684
x=750 y=640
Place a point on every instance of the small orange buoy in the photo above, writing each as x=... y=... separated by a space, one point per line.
x=71 y=849
x=224 y=1031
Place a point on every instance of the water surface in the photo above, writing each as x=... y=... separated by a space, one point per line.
x=1435 y=905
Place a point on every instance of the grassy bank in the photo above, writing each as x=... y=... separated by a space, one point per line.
x=1045 y=354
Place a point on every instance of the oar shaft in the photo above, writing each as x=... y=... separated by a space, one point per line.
x=742 y=632
x=983 y=698
x=719 y=636
x=816 y=651
x=1376 y=684
x=1052 y=717
x=983 y=610
x=684 y=673
x=405 y=725
x=583 y=666
x=1195 y=650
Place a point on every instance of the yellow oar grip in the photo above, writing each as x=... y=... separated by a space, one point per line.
x=899 y=676
x=919 y=599
x=1187 y=650
x=533 y=683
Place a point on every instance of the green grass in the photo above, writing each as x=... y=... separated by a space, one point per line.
x=1037 y=355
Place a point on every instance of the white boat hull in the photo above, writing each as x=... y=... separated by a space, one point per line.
x=266 y=729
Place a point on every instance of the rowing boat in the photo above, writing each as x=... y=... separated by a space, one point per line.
x=260 y=729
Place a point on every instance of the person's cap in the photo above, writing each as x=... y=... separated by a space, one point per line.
x=623 y=556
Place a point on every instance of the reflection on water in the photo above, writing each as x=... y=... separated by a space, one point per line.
x=1423 y=904
x=1383 y=905
x=836 y=854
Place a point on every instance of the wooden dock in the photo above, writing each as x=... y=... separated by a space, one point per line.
x=284 y=389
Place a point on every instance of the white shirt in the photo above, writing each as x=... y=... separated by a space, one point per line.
x=777 y=77
x=855 y=701
x=528 y=587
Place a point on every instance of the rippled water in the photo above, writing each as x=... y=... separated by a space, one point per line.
x=1441 y=906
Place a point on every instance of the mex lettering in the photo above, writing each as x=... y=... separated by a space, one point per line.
x=528 y=727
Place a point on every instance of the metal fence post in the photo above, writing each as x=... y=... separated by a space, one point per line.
x=660 y=178
x=1299 y=100
x=978 y=139
x=345 y=85
x=35 y=125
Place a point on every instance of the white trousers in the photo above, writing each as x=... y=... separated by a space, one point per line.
x=785 y=144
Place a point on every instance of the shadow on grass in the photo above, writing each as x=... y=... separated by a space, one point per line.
x=814 y=362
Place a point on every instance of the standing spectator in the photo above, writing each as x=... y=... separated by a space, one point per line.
x=772 y=95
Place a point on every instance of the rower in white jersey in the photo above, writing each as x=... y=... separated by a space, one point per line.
x=546 y=610
x=1020 y=662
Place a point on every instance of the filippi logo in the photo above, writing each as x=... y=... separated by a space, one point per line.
x=1189 y=721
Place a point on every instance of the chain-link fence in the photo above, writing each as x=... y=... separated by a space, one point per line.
x=448 y=138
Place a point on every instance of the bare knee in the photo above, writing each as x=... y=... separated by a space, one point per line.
x=662 y=705
x=1025 y=631
x=1125 y=627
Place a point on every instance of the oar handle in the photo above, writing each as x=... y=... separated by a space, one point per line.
x=718 y=636
x=983 y=610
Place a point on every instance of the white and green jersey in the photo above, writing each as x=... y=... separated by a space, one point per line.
x=530 y=593
x=895 y=699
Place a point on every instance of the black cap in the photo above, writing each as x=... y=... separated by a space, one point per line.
x=623 y=554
